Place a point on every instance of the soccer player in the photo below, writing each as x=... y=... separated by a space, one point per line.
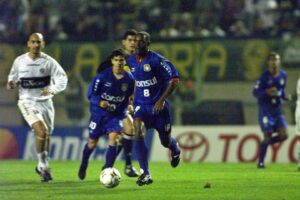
x=38 y=77
x=128 y=43
x=297 y=120
x=270 y=93
x=156 y=78
x=109 y=95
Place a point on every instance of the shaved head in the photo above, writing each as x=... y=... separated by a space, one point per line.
x=38 y=35
x=35 y=44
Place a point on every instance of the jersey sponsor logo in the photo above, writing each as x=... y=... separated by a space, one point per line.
x=146 y=83
x=35 y=82
x=147 y=68
x=281 y=81
x=124 y=87
x=112 y=98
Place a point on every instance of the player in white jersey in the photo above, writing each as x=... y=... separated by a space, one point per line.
x=297 y=120
x=38 y=77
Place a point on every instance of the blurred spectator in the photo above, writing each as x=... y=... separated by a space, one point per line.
x=94 y=20
x=238 y=29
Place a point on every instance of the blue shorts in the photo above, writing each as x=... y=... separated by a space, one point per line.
x=160 y=121
x=270 y=121
x=101 y=124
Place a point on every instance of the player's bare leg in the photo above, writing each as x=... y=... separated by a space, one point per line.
x=42 y=146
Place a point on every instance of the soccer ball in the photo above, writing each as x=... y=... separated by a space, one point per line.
x=110 y=177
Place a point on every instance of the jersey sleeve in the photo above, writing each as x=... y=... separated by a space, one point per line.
x=283 y=94
x=168 y=71
x=59 y=78
x=259 y=90
x=14 y=73
x=94 y=90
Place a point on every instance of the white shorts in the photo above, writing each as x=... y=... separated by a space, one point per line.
x=34 y=111
x=297 y=120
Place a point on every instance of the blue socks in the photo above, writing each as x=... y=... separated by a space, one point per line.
x=262 y=152
x=110 y=157
x=86 y=154
x=173 y=146
x=142 y=155
x=127 y=145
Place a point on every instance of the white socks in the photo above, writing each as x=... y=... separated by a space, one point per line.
x=43 y=158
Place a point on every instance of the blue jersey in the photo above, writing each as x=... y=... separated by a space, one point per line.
x=270 y=116
x=267 y=80
x=152 y=76
x=105 y=87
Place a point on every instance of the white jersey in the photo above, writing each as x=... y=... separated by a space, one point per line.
x=33 y=76
x=297 y=112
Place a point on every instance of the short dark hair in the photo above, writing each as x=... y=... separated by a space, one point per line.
x=117 y=52
x=148 y=37
x=272 y=54
x=129 y=32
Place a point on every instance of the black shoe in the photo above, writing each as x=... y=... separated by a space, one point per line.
x=175 y=159
x=45 y=174
x=48 y=174
x=82 y=171
x=260 y=165
x=144 y=179
x=130 y=171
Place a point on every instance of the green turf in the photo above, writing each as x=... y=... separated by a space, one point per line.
x=228 y=181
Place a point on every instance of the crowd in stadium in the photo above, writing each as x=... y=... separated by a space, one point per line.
x=82 y=20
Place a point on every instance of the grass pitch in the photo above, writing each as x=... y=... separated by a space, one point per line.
x=18 y=181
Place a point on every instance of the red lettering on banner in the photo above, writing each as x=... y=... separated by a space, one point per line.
x=275 y=148
x=227 y=138
x=240 y=156
x=292 y=147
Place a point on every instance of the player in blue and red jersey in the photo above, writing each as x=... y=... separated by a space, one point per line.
x=156 y=78
x=109 y=95
x=270 y=93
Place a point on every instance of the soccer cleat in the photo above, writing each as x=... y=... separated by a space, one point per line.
x=175 y=159
x=144 y=179
x=45 y=174
x=260 y=165
x=82 y=171
x=130 y=171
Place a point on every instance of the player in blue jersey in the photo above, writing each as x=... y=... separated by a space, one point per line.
x=270 y=93
x=128 y=43
x=109 y=95
x=156 y=78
